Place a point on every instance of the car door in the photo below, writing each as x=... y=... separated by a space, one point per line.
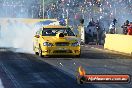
x=36 y=41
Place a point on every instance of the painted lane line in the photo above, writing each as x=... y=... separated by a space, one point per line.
x=10 y=76
x=1 y=84
x=38 y=78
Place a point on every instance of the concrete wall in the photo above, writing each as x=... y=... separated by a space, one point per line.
x=118 y=42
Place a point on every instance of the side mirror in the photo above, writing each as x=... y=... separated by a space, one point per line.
x=37 y=36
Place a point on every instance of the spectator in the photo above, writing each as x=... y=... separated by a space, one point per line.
x=114 y=21
x=130 y=30
x=112 y=28
x=127 y=23
x=92 y=23
x=99 y=32
x=125 y=27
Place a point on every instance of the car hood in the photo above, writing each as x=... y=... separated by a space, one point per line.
x=53 y=39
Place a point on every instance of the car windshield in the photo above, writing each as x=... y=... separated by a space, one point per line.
x=54 y=31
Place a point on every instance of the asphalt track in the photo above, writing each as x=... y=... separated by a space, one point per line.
x=25 y=70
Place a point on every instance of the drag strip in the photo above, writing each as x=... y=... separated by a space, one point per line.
x=24 y=70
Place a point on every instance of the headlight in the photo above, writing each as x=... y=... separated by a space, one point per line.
x=47 y=44
x=75 y=44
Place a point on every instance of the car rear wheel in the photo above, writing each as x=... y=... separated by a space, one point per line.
x=80 y=80
x=36 y=53
x=40 y=52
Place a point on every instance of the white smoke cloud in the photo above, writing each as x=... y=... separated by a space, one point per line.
x=15 y=33
x=18 y=35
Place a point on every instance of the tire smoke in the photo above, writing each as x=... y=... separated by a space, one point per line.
x=16 y=34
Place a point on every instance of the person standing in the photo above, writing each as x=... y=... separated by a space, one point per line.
x=130 y=30
x=112 y=28
x=99 y=34
x=125 y=27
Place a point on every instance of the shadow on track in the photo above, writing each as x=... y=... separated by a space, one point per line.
x=31 y=72
x=56 y=78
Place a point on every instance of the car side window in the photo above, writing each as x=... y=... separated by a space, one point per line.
x=40 y=31
x=37 y=33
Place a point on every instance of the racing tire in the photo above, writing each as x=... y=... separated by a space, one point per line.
x=36 y=53
x=78 y=56
x=40 y=52
x=80 y=80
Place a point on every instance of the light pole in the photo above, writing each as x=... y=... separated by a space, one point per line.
x=43 y=9
x=67 y=12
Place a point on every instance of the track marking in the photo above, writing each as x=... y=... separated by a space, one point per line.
x=11 y=77
x=2 y=50
x=38 y=78
x=1 y=84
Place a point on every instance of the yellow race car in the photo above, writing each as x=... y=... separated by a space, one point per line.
x=56 y=40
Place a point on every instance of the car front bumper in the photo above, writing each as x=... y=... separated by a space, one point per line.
x=61 y=50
